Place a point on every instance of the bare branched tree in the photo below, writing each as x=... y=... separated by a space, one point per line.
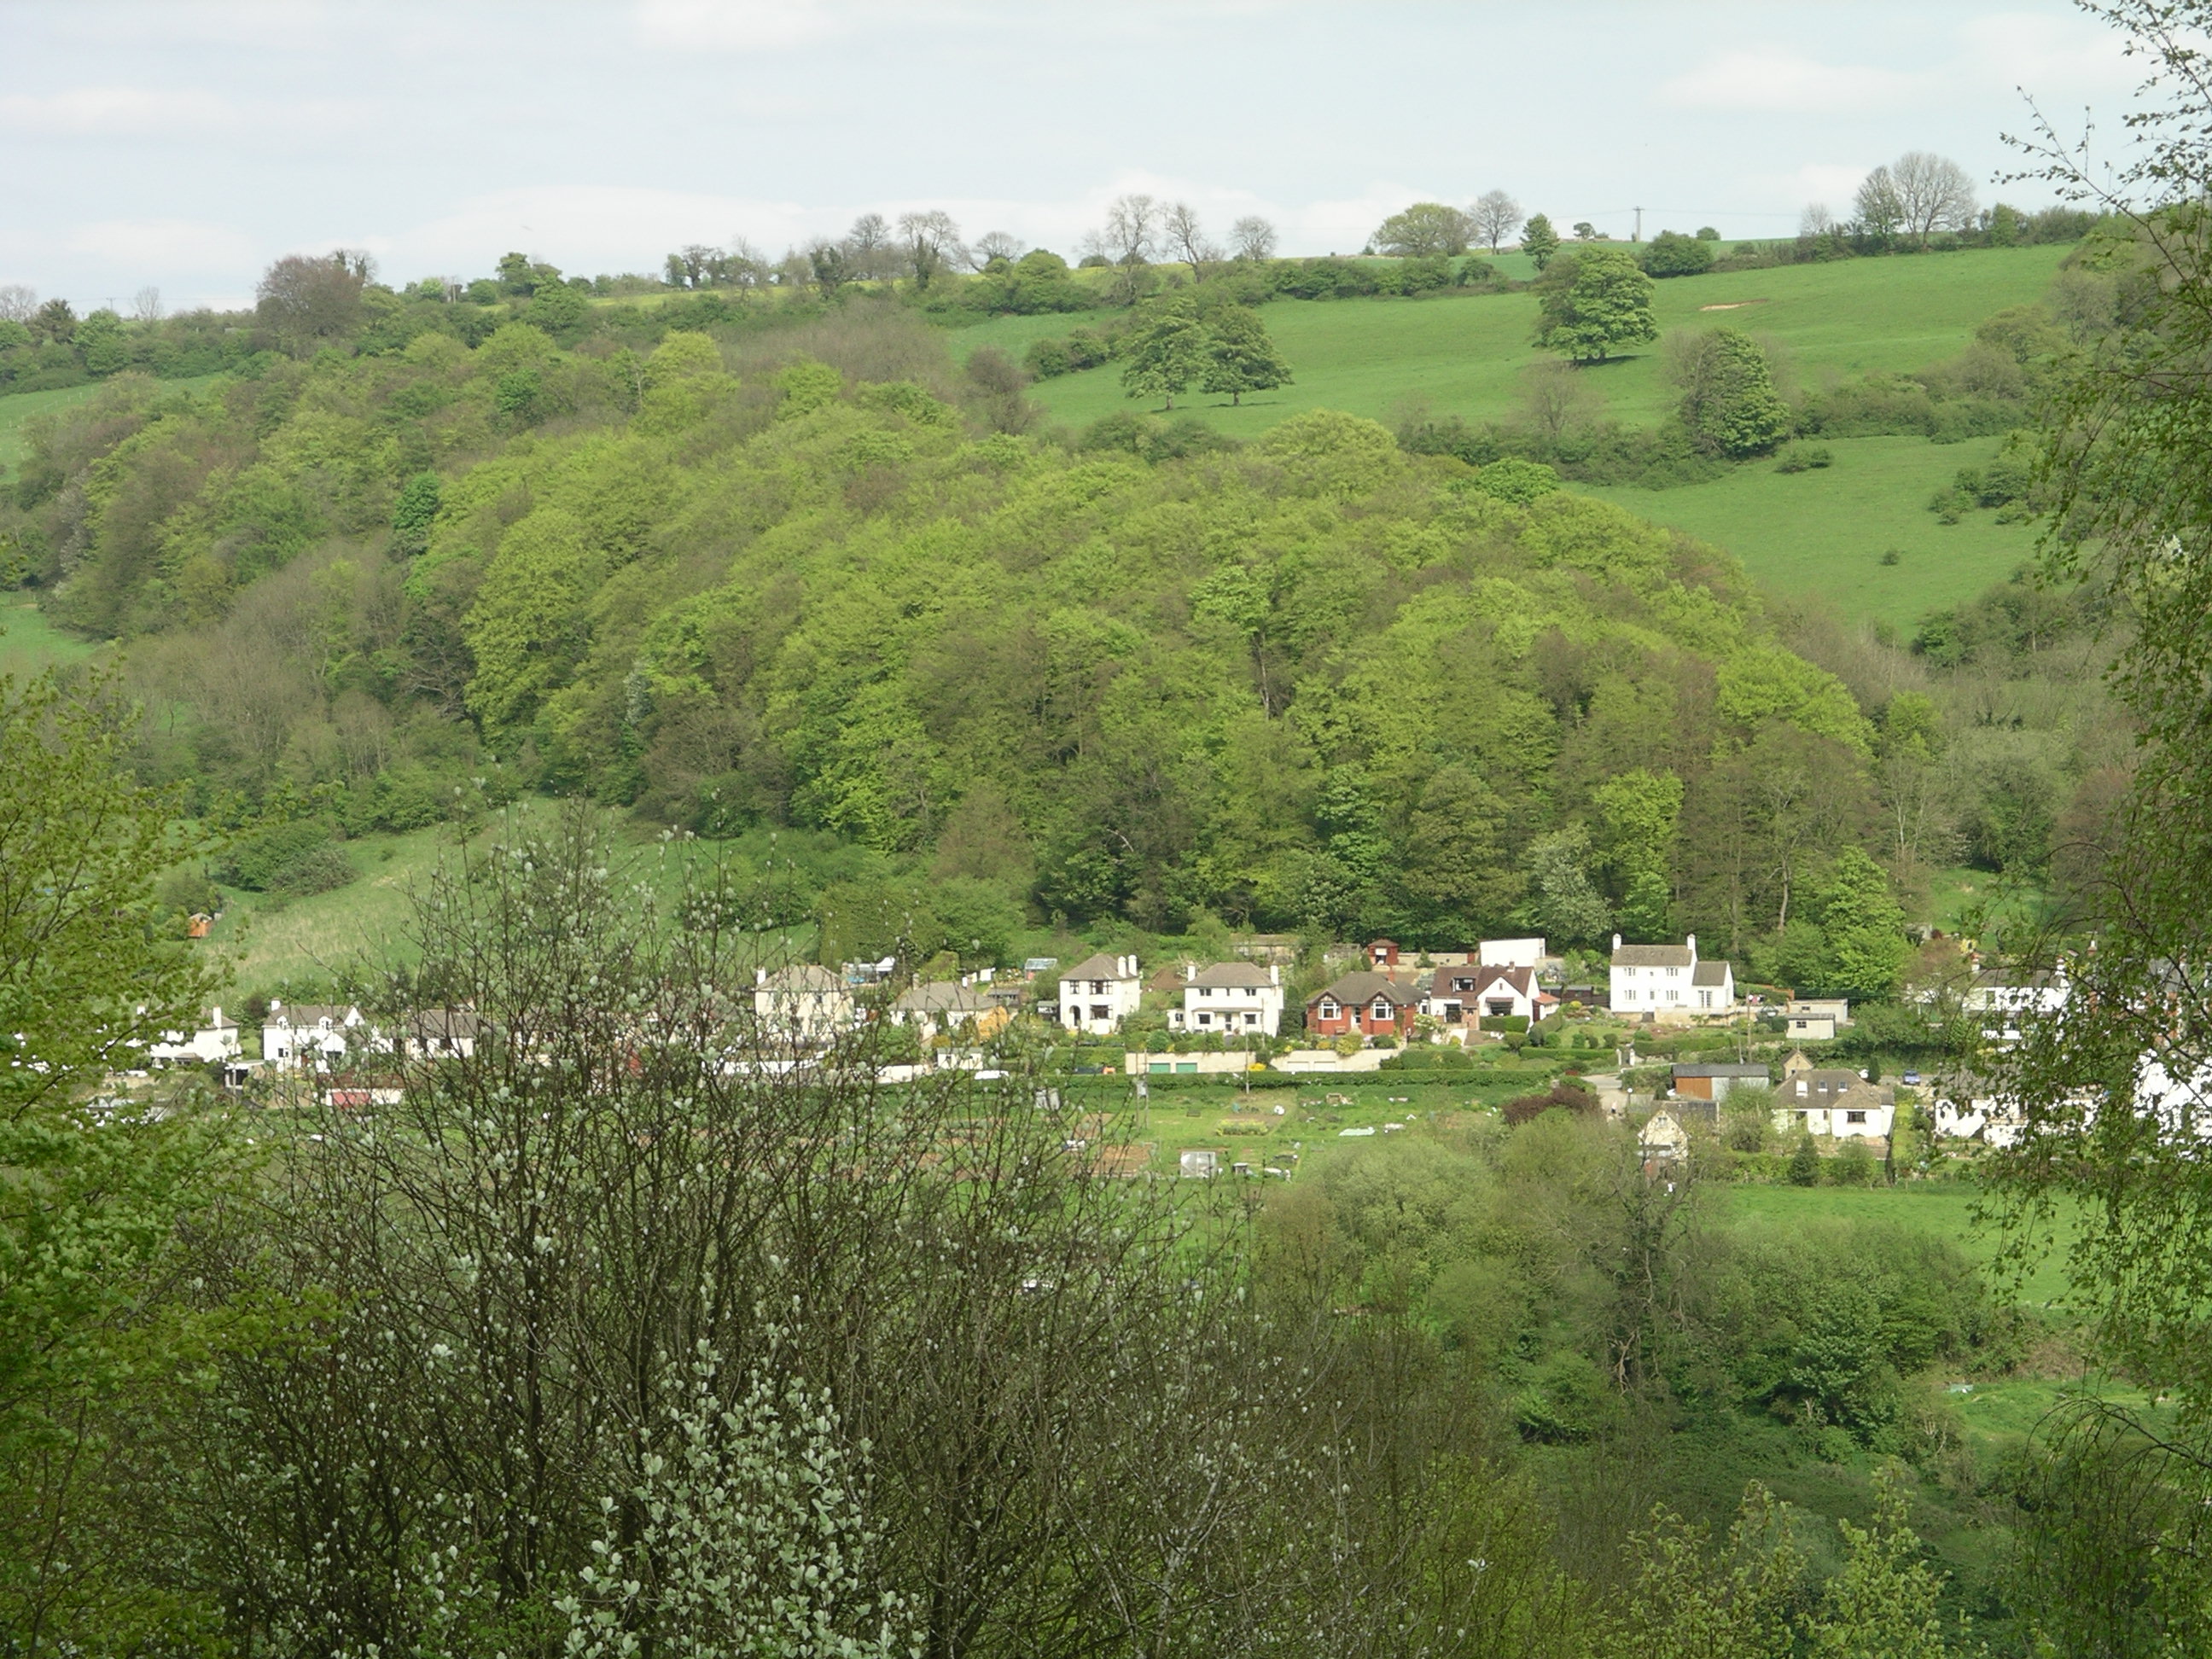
x=1252 y=238
x=1496 y=216
x=1557 y=399
x=1186 y=238
x=18 y=303
x=146 y=305
x=868 y=247
x=930 y=242
x=995 y=245
x=1933 y=193
x=1816 y=220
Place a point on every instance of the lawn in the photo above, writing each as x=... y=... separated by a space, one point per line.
x=1827 y=530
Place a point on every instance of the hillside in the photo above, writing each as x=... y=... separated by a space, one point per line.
x=1317 y=682
x=1463 y=355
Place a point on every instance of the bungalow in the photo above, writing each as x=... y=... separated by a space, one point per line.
x=1833 y=1101
x=442 y=1034
x=311 y=1035
x=945 y=1005
x=1668 y=981
x=1491 y=992
x=1099 y=993
x=1231 y=999
x=1367 y=1004
x=801 y=1004
x=213 y=1040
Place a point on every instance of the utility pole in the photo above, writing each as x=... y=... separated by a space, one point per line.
x=1638 y=234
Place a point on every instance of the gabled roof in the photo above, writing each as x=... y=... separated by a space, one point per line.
x=943 y=997
x=1653 y=955
x=1357 y=989
x=442 y=1024
x=1231 y=975
x=299 y=1016
x=803 y=977
x=1713 y=972
x=1101 y=966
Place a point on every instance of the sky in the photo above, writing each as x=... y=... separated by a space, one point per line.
x=184 y=144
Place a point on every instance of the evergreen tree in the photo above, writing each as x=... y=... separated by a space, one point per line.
x=1538 y=241
x=1239 y=355
x=1805 y=1163
x=1728 y=400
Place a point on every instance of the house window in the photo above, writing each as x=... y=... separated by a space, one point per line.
x=1381 y=1010
x=1853 y=1117
x=1204 y=1018
x=1499 y=1010
x=1328 y=1009
x=1704 y=999
x=1100 y=1011
x=1251 y=1019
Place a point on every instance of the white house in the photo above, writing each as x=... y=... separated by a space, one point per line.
x=1231 y=999
x=1099 y=993
x=214 y=1039
x=945 y=1005
x=1494 y=991
x=1999 y=1001
x=801 y=1004
x=1668 y=981
x=1833 y=1101
x=311 y=1035
x=442 y=1034
x=1510 y=953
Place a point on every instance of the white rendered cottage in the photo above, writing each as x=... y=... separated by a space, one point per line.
x=1231 y=999
x=311 y=1035
x=1099 y=994
x=1668 y=981
x=214 y=1039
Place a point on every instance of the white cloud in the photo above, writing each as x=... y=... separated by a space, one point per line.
x=115 y=112
x=737 y=25
x=1781 y=79
x=2051 y=59
x=166 y=243
x=1832 y=183
x=585 y=227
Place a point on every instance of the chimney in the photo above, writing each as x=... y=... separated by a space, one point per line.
x=1692 y=941
x=1616 y=945
x=1190 y=971
x=1275 y=973
x=1128 y=967
x=760 y=976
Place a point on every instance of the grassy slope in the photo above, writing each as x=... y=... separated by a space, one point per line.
x=15 y=411
x=1825 y=530
x=1944 y=1207
x=28 y=644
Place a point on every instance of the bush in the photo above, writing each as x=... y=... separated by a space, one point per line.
x=1670 y=254
x=1854 y=1165
x=318 y=871
x=1805 y=458
x=1567 y=1096
x=259 y=861
x=1805 y=1164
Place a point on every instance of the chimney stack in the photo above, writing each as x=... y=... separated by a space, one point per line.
x=1616 y=945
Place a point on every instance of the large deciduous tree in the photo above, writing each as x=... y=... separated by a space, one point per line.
x=1163 y=356
x=1496 y=215
x=309 y=300
x=1597 y=304
x=1729 y=401
x=1424 y=230
x=1239 y=355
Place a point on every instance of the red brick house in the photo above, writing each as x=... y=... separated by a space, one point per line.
x=1382 y=955
x=1367 y=1003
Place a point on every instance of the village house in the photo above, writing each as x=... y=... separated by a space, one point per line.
x=1366 y=1004
x=2000 y=1001
x=1462 y=993
x=1510 y=953
x=1668 y=981
x=442 y=1034
x=1099 y=993
x=1833 y=1101
x=942 y=1008
x=1231 y=999
x=801 y=1004
x=311 y=1035
x=1663 y=1142
x=214 y=1039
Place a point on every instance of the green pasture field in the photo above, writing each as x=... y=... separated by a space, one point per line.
x=1464 y=353
x=1939 y=1207
x=18 y=409
x=1826 y=531
x=29 y=644
x=265 y=939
